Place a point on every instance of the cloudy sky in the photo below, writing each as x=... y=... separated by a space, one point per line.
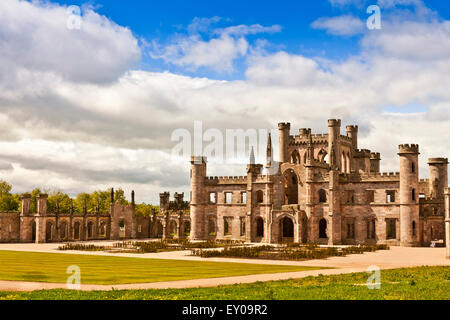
x=91 y=102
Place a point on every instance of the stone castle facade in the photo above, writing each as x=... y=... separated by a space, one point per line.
x=324 y=190
x=119 y=223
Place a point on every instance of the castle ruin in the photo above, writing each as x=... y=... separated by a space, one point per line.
x=324 y=190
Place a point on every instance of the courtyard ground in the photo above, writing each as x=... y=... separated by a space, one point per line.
x=396 y=257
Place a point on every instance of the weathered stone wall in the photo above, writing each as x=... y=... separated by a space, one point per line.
x=9 y=227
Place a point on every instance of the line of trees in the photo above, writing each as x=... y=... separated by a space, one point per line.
x=10 y=202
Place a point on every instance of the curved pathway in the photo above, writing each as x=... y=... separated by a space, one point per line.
x=396 y=257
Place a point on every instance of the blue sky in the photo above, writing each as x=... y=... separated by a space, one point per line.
x=160 y=20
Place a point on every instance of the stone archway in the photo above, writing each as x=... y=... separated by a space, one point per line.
x=76 y=231
x=90 y=230
x=63 y=231
x=187 y=228
x=211 y=227
x=159 y=230
x=305 y=230
x=259 y=227
x=323 y=229
x=295 y=157
x=322 y=155
x=33 y=231
x=287 y=229
x=172 y=232
x=49 y=232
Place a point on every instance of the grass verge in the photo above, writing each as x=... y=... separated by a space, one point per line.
x=424 y=283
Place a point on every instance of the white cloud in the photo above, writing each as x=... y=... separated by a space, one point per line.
x=412 y=40
x=35 y=37
x=346 y=25
x=58 y=132
x=218 y=52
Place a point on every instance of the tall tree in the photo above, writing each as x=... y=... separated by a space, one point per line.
x=8 y=202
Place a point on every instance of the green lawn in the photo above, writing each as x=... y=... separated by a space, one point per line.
x=51 y=267
x=428 y=283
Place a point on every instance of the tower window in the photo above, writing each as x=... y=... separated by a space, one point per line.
x=413 y=194
x=227 y=225
x=212 y=197
x=390 y=196
x=243 y=197
x=322 y=196
x=413 y=167
x=228 y=197
x=259 y=196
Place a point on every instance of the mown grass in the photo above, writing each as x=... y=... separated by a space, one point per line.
x=52 y=267
x=425 y=283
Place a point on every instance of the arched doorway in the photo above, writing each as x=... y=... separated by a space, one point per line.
x=290 y=187
x=259 y=227
x=322 y=196
x=63 y=231
x=259 y=196
x=287 y=229
x=173 y=228
x=323 y=229
x=49 y=232
x=211 y=226
x=122 y=229
x=322 y=155
x=33 y=231
x=295 y=157
x=304 y=228
x=187 y=228
x=90 y=230
x=159 y=230
x=102 y=229
x=76 y=231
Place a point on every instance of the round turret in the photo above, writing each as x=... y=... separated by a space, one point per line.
x=198 y=175
x=438 y=177
x=284 y=130
x=409 y=197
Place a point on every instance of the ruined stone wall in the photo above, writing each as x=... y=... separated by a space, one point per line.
x=123 y=222
x=9 y=227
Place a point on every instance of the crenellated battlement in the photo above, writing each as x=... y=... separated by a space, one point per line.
x=305 y=132
x=334 y=122
x=432 y=161
x=284 y=126
x=226 y=180
x=362 y=153
x=197 y=160
x=351 y=128
x=373 y=176
x=408 y=148
x=346 y=138
x=375 y=156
